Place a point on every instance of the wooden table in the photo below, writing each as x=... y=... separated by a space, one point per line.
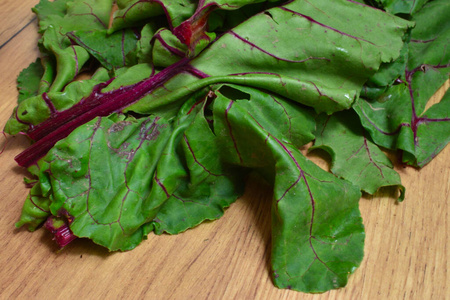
x=407 y=244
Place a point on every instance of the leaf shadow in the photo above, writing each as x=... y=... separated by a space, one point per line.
x=11 y=143
x=320 y=157
x=258 y=199
x=387 y=192
x=21 y=172
x=82 y=246
x=77 y=247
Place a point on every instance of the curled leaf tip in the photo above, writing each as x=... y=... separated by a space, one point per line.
x=193 y=31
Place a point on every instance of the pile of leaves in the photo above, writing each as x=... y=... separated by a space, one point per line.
x=150 y=120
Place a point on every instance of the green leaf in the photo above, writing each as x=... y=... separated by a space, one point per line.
x=402 y=6
x=69 y=59
x=35 y=109
x=167 y=49
x=108 y=193
x=142 y=168
x=211 y=186
x=75 y=91
x=58 y=18
x=160 y=137
x=433 y=133
x=317 y=231
x=315 y=74
x=397 y=119
x=36 y=208
x=144 y=46
x=109 y=49
x=70 y=15
x=389 y=72
x=29 y=80
x=136 y=12
x=355 y=157
x=295 y=123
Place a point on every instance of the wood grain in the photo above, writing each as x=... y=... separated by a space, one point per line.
x=407 y=244
x=14 y=16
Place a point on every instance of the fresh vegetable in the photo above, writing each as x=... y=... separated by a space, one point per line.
x=151 y=122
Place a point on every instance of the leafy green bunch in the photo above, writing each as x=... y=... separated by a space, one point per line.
x=147 y=115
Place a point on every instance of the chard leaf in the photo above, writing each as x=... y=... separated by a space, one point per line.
x=75 y=91
x=314 y=74
x=58 y=18
x=318 y=235
x=135 y=12
x=402 y=6
x=69 y=59
x=142 y=167
x=222 y=20
x=268 y=48
x=107 y=193
x=227 y=4
x=317 y=231
x=35 y=210
x=354 y=156
x=210 y=188
x=110 y=50
x=29 y=80
x=388 y=73
x=82 y=189
x=295 y=123
x=70 y=15
x=167 y=49
x=36 y=109
x=49 y=72
x=159 y=139
x=398 y=119
x=144 y=46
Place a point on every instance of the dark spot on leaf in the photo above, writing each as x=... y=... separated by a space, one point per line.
x=24 y=113
x=151 y=135
x=118 y=126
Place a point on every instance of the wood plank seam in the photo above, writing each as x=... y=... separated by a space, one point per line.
x=18 y=32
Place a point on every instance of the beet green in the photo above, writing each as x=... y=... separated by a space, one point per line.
x=152 y=123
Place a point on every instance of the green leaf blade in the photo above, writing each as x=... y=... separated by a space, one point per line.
x=107 y=193
x=110 y=50
x=317 y=231
x=397 y=119
x=354 y=157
